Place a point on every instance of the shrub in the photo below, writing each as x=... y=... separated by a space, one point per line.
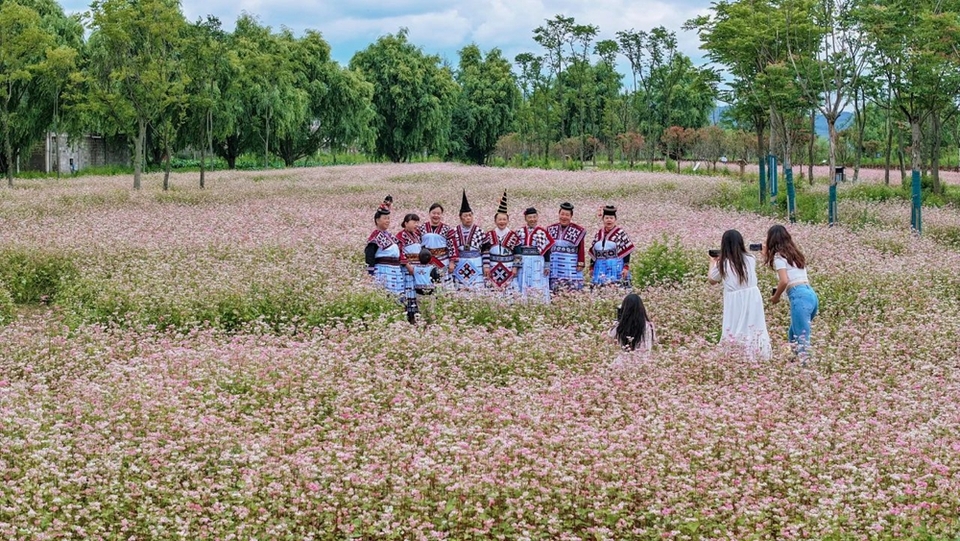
x=663 y=262
x=35 y=276
x=6 y=304
x=947 y=235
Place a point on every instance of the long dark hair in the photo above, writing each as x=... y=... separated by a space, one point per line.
x=733 y=250
x=632 y=322
x=780 y=242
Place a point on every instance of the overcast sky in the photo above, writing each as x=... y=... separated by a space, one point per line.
x=443 y=27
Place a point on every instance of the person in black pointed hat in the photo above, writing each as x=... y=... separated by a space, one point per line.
x=499 y=261
x=610 y=252
x=568 y=255
x=469 y=239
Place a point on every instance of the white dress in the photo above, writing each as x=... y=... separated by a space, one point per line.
x=743 y=319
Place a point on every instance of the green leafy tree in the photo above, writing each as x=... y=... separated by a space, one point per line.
x=211 y=66
x=536 y=115
x=274 y=100
x=135 y=70
x=668 y=88
x=37 y=55
x=913 y=45
x=339 y=109
x=552 y=36
x=487 y=103
x=828 y=54
x=413 y=97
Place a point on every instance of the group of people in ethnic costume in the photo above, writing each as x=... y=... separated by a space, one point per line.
x=531 y=261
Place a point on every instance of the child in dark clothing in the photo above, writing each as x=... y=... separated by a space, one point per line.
x=425 y=280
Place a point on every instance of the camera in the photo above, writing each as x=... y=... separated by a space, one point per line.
x=714 y=253
x=756 y=246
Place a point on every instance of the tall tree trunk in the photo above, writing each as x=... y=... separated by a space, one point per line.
x=903 y=166
x=935 y=152
x=832 y=134
x=8 y=150
x=56 y=128
x=166 y=168
x=138 y=152
x=203 y=163
x=266 y=142
x=916 y=139
x=7 y=145
x=888 y=151
x=760 y=143
x=861 y=116
x=813 y=141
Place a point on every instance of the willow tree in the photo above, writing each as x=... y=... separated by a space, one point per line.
x=37 y=55
x=135 y=69
x=413 y=96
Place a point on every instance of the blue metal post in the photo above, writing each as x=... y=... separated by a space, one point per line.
x=915 y=202
x=791 y=195
x=763 y=182
x=832 y=204
x=772 y=167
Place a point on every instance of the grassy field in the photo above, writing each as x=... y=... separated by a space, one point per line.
x=216 y=364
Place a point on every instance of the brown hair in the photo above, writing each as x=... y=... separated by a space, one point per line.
x=780 y=242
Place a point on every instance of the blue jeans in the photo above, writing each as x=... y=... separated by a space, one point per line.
x=804 y=304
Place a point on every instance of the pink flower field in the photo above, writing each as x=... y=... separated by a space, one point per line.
x=216 y=364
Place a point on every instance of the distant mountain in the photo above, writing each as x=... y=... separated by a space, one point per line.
x=843 y=122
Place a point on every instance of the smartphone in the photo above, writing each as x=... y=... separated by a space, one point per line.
x=714 y=253
x=619 y=312
x=773 y=291
x=756 y=247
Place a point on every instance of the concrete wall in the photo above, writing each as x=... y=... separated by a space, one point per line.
x=86 y=151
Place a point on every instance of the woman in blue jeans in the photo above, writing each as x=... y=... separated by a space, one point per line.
x=781 y=254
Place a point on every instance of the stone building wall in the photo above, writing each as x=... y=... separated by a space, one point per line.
x=87 y=151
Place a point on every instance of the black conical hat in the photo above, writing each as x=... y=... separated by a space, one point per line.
x=464 y=205
x=502 y=209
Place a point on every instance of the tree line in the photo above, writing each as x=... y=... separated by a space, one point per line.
x=146 y=74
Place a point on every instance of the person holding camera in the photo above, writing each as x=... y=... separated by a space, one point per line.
x=744 y=321
x=633 y=330
x=782 y=255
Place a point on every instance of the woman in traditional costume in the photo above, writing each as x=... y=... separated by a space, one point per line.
x=469 y=239
x=568 y=255
x=437 y=237
x=409 y=240
x=610 y=252
x=385 y=261
x=533 y=276
x=499 y=261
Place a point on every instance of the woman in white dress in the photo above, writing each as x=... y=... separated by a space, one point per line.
x=743 y=319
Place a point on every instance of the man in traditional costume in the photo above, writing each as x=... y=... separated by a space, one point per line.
x=533 y=276
x=437 y=237
x=568 y=255
x=385 y=261
x=469 y=240
x=610 y=252
x=499 y=260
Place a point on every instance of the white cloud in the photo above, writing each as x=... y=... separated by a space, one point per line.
x=443 y=27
